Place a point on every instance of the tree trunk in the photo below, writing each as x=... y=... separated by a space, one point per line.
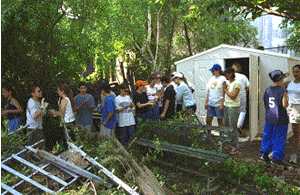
x=187 y=38
x=169 y=44
x=157 y=39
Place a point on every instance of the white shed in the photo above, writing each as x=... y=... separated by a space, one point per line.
x=256 y=65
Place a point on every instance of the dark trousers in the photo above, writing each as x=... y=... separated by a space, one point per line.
x=126 y=134
x=178 y=107
x=191 y=109
x=69 y=129
x=54 y=136
x=34 y=135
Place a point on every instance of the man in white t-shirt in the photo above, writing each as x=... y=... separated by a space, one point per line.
x=125 y=117
x=293 y=90
x=153 y=95
x=244 y=87
x=34 y=115
x=214 y=103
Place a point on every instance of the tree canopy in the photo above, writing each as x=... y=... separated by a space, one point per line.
x=288 y=9
x=47 y=41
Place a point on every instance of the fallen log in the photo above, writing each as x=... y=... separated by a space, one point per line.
x=147 y=182
x=184 y=150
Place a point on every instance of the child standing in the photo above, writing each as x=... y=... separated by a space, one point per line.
x=276 y=120
x=125 y=116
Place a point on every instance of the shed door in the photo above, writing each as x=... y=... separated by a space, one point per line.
x=254 y=95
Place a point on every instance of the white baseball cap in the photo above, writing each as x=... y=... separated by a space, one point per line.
x=176 y=75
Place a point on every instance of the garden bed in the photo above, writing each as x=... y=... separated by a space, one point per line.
x=179 y=174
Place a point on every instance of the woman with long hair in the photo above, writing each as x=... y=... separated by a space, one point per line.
x=65 y=108
x=12 y=109
x=232 y=108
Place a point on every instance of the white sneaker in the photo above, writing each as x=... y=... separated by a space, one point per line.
x=293 y=158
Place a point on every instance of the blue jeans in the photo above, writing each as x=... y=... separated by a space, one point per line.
x=274 y=139
x=126 y=134
x=155 y=113
x=213 y=111
x=14 y=124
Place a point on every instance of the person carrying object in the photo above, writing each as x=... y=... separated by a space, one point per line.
x=125 y=115
x=36 y=109
x=244 y=83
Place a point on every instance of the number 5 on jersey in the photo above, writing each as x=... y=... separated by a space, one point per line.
x=272 y=102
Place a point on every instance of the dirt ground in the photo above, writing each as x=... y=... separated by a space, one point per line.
x=250 y=150
x=291 y=173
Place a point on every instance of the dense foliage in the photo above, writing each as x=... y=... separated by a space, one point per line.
x=289 y=9
x=47 y=41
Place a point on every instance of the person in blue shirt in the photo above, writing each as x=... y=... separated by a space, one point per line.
x=12 y=109
x=108 y=113
x=84 y=106
x=276 y=120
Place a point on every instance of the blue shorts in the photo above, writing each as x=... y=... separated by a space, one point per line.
x=215 y=112
x=14 y=124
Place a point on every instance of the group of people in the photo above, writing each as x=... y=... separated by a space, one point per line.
x=227 y=101
x=160 y=98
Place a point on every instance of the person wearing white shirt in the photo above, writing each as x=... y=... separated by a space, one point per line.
x=244 y=87
x=125 y=116
x=65 y=111
x=214 y=103
x=293 y=90
x=34 y=115
x=153 y=95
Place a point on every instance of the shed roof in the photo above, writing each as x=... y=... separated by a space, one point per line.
x=239 y=48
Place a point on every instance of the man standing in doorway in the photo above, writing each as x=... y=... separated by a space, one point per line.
x=244 y=84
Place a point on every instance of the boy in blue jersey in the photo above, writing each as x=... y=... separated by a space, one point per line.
x=108 y=113
x=276 y=120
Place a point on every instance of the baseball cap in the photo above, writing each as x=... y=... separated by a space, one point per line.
x=277 y=75
x=176 y=75
x=216 y=67
x=140 y=83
